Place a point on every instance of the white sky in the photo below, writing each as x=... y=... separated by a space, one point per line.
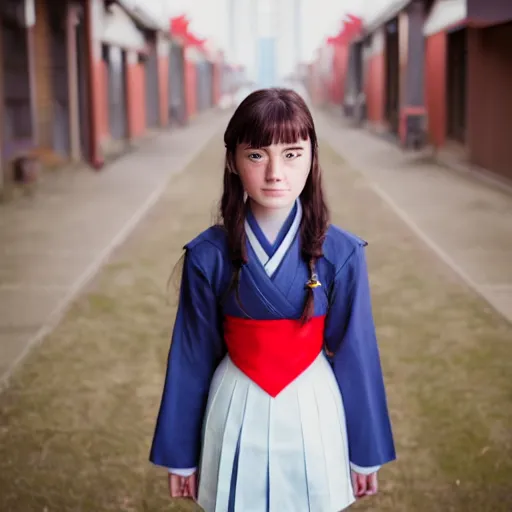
x=321 y=18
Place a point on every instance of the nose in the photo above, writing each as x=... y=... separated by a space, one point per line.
x=274 y=171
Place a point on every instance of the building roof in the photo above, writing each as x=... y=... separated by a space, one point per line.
x=139 y=15
x=386 y=12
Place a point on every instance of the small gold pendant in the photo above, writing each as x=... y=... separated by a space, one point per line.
x=313 y=282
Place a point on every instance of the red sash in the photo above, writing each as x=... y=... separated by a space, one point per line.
x=273 y=353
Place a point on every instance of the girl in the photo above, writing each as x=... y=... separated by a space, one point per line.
x=274 y=387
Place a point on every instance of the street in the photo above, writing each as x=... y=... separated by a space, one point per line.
x=78 y=410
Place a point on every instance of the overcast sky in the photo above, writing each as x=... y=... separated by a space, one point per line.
x=321 y=18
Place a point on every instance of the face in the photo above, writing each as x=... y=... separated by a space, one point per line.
x=274 y=176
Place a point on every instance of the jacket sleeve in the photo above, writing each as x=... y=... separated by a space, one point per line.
x=197 y=347
x=350 y=337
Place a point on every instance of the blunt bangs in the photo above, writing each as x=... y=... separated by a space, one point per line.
x=271 y=120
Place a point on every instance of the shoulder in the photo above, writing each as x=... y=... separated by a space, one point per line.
x=214 y=236
x=208 y=249
x=340 y=245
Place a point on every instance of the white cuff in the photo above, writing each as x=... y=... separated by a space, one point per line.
x=364 y=471
x=182 y=472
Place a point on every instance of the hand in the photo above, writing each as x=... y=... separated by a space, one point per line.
x=183 y=486
x=364 y=485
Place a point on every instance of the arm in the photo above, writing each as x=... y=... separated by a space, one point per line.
x=196 y=349
x=350 y=335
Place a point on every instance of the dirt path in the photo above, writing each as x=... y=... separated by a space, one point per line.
x=77 y=420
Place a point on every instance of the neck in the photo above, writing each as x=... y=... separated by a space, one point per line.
x=270 y=220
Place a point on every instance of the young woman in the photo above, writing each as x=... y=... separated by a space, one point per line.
x=274 y=397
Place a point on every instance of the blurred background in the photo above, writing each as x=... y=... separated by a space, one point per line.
x=82 y=79
x=111 y=121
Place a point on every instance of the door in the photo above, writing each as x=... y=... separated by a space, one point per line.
x=176 y=84
x=17 y=120
x=152 y=89
x=117 y=93
x=456 y=87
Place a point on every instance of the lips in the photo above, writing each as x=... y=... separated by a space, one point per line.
x=275 y=192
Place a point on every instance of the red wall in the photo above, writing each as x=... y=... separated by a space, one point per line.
x=136 y=99
x=374 y=88
x=163 y=84
x=94 y=65
x=489 y=99
x=435 y=87
x=97 y=95
x=340 y=60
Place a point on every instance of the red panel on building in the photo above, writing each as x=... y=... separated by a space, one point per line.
x=375 y=86
x=95 y=72
x=489 y=98
x=136 y=99
x=435 y=87
x=339 y=66
x=179 y=27
x=350 y=29
x=97 y=102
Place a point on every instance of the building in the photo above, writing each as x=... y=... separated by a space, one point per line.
x=131 y=62
x=77 y=77
x=434 y=72
x=199 y=68
x=83 y=80
x=288 y=36
x=18 y=129
x=243 y=36
x=468 y=75
x=270 y=46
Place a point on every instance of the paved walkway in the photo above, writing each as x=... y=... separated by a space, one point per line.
x=466 y=221
x=55 y=241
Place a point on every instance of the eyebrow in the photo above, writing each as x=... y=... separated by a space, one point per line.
x=286 y=148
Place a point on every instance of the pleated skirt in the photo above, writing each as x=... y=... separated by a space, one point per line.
x=282 y=454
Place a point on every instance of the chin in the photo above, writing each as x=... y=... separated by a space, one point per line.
x=276 y=203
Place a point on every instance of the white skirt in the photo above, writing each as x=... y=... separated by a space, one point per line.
x=282 y=454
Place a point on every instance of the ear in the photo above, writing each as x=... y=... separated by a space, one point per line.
x=231 y=165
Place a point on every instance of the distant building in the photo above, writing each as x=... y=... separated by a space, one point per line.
x=266 y=37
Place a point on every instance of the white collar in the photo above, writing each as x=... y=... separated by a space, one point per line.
x=270 y=264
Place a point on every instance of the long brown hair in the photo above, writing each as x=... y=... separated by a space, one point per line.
x=265 y=117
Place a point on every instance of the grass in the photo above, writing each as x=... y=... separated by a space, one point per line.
x=77 y=420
